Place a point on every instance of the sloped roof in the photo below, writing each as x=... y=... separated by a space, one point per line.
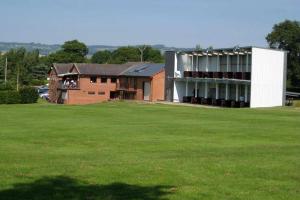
x=127 y=69
x=144 y=69
x=62 y=68
x=102 y=69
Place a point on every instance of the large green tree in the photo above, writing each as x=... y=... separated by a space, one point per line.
x=153 y=55
x=128 y=54
x=125 y=54
x=101 y=57
x=71 y=52
x=286 y=36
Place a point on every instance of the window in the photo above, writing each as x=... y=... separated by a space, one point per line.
x=113 y=80
x=91 y=92
x=93 y=79
x=103 y=80
x=101 y=93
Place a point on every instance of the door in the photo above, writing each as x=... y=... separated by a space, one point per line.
x=147 y=91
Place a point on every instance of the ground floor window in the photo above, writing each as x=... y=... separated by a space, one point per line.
x=93 y=79
x=113 y=80
x=103 y=80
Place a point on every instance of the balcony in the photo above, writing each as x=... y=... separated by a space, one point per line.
x=218 y=75
x=68 y=85
x=125 y=87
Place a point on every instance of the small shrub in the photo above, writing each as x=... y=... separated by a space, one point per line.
x=28 y=95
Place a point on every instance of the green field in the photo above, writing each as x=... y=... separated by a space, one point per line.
x=144 y=151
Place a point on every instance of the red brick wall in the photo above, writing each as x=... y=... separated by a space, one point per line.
x=158 y=86
x=82 y=95
x=157 y=83
x=53 y=84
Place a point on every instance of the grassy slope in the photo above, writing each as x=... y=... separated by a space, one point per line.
x=146 y=151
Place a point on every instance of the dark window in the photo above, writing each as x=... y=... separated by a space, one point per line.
x=103 y=80
x=91 y=92
x=93 y=79
x=101 y=93
x=113 y=80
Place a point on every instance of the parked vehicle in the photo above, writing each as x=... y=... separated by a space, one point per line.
x=44 y=95
x=43 y=92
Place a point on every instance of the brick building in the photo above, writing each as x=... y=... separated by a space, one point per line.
x=92 y=83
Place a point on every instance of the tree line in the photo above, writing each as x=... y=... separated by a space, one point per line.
x=29 y=68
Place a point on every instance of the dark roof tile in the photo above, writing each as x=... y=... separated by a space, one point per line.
x=144 y=69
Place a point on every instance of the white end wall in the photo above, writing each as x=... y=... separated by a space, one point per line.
x=179 y=91
x=268 y=78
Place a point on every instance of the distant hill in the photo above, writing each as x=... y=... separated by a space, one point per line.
x=46 y=49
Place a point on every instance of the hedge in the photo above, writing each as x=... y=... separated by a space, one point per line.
x=9 y=97
x=28 y=95
x=25 y=95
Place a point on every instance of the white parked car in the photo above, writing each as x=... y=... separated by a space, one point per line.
x=44 y=95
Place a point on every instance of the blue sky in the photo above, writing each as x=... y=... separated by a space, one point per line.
x=180 y=23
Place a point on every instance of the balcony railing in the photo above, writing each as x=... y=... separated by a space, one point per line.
x=125 y=87
x=69 y=85
x=219 y=75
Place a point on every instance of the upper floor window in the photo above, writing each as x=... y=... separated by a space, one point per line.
x=103 y=80
x=93 y=79
x=113 y=80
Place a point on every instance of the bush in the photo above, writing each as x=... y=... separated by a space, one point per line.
x=9 y=97
x=13 y=97
x=25 y=95
x=28 y=95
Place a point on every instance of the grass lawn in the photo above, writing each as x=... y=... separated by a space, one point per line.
x=143 y=151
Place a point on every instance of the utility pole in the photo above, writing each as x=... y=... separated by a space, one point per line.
x=142 y=49
x=18 y=75
x=5 y=72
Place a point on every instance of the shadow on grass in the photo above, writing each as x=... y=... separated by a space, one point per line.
x=61 y=187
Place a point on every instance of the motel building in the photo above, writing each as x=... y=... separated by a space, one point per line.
x=231 y=77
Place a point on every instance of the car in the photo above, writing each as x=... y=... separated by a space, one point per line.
x=44 y=95
x=42 y=90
